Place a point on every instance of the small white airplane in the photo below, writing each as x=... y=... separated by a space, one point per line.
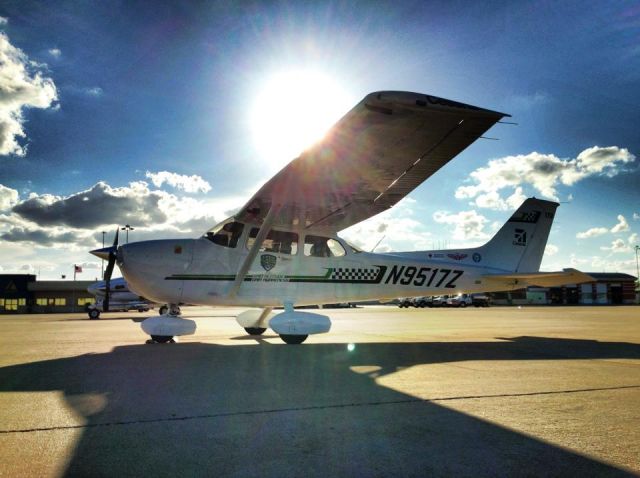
x=282 y=247
x=117 y=297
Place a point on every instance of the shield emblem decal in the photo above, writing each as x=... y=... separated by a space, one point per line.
x=268 y=262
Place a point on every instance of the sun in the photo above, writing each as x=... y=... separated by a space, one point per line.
x=292 y=111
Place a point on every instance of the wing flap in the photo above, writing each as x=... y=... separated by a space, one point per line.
x=541 y=279
x=373 y=157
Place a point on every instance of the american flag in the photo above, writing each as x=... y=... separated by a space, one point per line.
x=77 y=268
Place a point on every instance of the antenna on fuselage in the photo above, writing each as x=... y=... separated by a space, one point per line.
x=378 y=243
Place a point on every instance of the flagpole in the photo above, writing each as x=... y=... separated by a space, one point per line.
x=73 y=293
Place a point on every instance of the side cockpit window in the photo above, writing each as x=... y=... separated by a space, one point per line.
x=226 y=234
x=277 y=241
x=318 y=246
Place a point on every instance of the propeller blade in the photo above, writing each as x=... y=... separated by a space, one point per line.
x=107 y=273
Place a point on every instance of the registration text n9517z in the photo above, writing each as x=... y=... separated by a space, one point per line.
x=423 y=276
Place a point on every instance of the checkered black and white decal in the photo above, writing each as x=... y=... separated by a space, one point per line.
x=350 y=274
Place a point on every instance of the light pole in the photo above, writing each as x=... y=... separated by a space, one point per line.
x=637 y=248
x=127 y=228
x=103 y=233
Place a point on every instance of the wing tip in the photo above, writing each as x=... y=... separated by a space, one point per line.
x=413 y=99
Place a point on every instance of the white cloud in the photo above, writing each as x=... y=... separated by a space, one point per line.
x=467 y=224
x=8 y=197
x=22 y=85
x=633 y=238
x=93 y=91
x=190 y=184
x=617 y=246
x=551 y=250
x=3 y=21
x=55 y=52
x=593 y=232
x=544 y=172
x=622 y=225
x=396 y=227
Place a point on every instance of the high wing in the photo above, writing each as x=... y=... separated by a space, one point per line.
x=374 y=156
x=541 y=279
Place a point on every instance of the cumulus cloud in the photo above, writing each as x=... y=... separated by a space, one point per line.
x=593 y=232
x=636 y=216
x=8 y=198
x=39 y=236
x=76 y=221
x=618 y=245
x=622 y=225
x=543 y=172
x=551 y=250
x=55 y=52
x=190 y=184
x=467 y=224
x=396 y=227
x=22 y=85
x=3 y=21
x=94 y=207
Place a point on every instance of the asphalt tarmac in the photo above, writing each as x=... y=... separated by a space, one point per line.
x=532 y=391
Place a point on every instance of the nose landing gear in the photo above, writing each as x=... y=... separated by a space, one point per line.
x=164 y=328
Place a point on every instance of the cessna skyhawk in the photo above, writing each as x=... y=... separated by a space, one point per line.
x=282 y=249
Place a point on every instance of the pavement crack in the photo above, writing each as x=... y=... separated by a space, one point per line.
x=312 y=407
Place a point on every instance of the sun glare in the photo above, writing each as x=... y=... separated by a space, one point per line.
x=294 y=110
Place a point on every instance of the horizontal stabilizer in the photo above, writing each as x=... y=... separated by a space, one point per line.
x=541 y=279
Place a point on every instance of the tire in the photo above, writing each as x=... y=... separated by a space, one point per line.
x=94 y=314
x=463 y=304
x=163 y=310
x=162 y=339
x=255 y=330
x=293 y=339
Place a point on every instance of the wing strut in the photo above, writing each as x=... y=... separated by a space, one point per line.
x=255 y=248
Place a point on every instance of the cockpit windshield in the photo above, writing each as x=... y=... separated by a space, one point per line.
x=353 y=248
x=226 y=233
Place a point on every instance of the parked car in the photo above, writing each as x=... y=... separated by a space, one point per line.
x=421 y=302
x=439 y=301
x=404 y=302
x=460 y=300
x=480 y=300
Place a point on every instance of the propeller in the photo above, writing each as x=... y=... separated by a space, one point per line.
x=107 y=274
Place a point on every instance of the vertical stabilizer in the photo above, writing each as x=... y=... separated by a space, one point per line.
x=519 y=244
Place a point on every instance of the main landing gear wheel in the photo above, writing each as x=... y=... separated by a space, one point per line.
x=94 y=314
x=161 y=339
x=293 y=339
x=255 y=330
x=163 y=310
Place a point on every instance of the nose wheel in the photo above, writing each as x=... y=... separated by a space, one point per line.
x=161 y=339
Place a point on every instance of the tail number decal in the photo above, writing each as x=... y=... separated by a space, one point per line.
x=409 y=275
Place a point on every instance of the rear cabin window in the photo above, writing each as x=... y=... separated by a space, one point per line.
x=318 y=246
x=277 y=241
x=226 y=234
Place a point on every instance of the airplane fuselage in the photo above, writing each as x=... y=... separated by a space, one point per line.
x=198 y=271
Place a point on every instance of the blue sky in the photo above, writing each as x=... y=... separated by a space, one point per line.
x=155 y=115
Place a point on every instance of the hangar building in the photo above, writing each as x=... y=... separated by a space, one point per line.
x=611 y=288
x=23 y=294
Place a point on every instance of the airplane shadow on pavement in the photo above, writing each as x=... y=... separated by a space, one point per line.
x=271 y=410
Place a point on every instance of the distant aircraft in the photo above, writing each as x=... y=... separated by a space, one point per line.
x=121 y=298
x=282 y=247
